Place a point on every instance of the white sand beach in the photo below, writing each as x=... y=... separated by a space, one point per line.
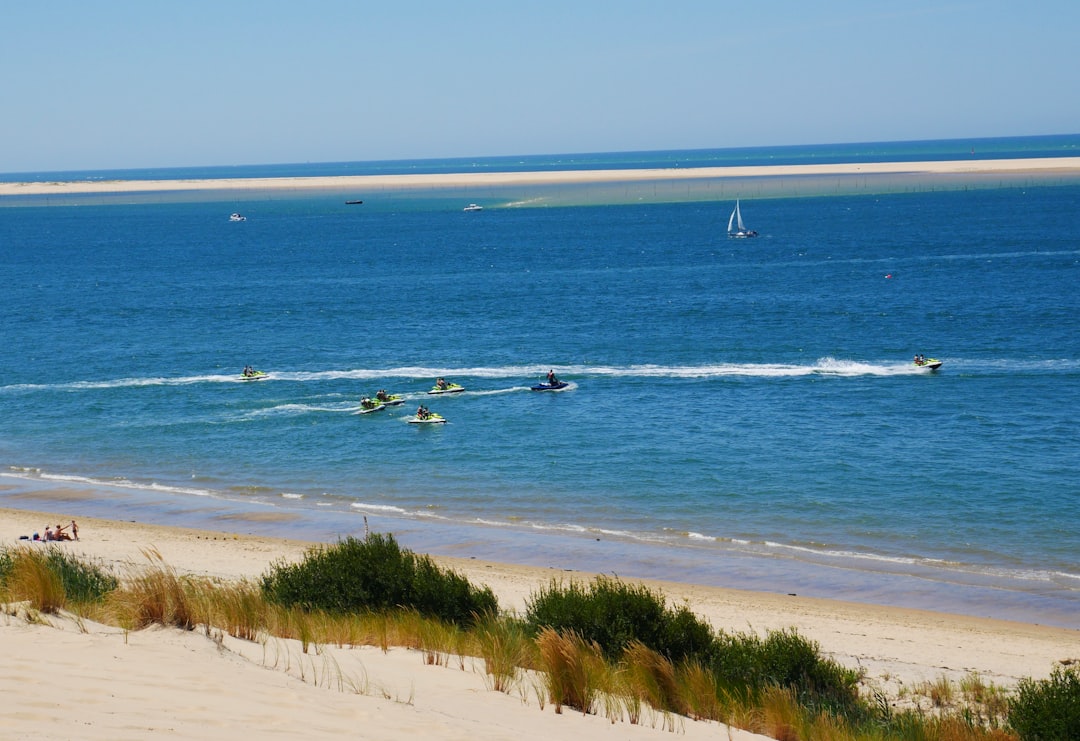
x=75 y=679
x=362 y=183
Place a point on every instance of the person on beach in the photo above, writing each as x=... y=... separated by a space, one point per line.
x=48 y=533
x=74 y=531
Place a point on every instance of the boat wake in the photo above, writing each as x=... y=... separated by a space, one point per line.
x=826 y=366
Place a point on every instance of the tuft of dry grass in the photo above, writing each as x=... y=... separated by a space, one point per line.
x=652 y=678
x=700 y=698
x=781 y=717
x=30 y=579
x=155 y=594
x=572 y=669
x=506 y=649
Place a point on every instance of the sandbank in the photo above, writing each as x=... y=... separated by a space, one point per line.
x=1054 y=166
x=80 y=679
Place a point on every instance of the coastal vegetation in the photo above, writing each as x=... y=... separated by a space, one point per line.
x=605 y=647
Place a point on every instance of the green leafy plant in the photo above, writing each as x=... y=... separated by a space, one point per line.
x=376 y=574
x=615 y=615
x=1048 y=709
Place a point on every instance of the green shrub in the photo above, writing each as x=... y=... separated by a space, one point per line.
x=83 y=582
x=375 y=574
x=1048 y=709
x=7 y=562
x=615 y=615
x=53 y=577
x=786 y=659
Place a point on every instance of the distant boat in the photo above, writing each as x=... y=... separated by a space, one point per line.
x=353 y=203
x=237 y=217
x=735 y=227
x=473 y=207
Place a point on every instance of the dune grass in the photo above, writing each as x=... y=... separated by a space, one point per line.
x=608 y=648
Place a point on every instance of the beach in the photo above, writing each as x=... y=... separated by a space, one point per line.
x=1033 y=167
x=80 y=679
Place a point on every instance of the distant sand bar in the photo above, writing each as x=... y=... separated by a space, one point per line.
x=1055 y=166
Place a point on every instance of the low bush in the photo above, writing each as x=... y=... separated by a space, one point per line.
x=1048 y=709
x=83 y=582
x=615 y=615
x=375 y=574
x=785 y=659
x=50 y=578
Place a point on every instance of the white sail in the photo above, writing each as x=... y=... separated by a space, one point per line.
x=735 y=220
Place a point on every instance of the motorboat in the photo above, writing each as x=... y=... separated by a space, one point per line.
x=473 y=207
x=237 y=217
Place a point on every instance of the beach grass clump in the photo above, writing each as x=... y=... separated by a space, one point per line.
x=51 y=579
x=506 y=648
x=238 y=609
x=156 y=594
x=574 y=669
x=29 y=578
x=1048 y=708
x=375 y=574
x=614 y=615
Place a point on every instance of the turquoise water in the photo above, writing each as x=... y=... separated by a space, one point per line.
x=740 y=412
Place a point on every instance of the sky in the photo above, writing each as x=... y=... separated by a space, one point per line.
x=142 y=84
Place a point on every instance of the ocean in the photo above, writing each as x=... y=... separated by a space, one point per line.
x=740 y=413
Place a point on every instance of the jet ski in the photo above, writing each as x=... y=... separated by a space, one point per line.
x=367 y=406
x=442 y=387
x=390 y=400
x=426 y=418
x=251 y=374
x=554 y=386
x=930 y=363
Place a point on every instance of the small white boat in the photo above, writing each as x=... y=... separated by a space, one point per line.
x=735 y=227
x=237 y=217
x=473 y=207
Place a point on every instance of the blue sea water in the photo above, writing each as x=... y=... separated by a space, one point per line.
x=740 y=412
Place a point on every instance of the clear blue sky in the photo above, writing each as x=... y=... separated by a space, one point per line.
x=148 y=83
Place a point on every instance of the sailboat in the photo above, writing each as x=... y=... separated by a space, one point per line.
x=735 y=227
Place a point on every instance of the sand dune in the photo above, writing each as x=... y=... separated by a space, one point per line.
x=74 y=679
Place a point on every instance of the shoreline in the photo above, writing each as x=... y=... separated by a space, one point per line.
x=103 y=682
x=843 y=628
x=869 y=582
x=1043 y=167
